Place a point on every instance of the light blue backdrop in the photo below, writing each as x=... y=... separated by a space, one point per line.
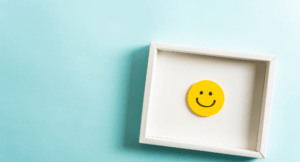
x=72 y=73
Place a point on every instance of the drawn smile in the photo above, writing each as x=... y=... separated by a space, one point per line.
x=204 y=105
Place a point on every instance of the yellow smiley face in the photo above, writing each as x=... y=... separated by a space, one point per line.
x=205 y=98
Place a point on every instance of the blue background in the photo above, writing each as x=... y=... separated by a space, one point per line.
x=72 y=73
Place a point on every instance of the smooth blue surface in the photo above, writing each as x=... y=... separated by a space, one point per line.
x=72 y=73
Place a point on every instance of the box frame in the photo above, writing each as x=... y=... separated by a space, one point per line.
x=265 y=109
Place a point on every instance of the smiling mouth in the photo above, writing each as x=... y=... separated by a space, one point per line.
x=204 y=105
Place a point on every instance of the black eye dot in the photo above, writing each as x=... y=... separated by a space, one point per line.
x=210 y=93
x=201 y=92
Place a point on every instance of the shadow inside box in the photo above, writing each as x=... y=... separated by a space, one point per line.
x=136 y=85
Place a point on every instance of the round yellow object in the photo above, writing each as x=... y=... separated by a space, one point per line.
x=205 y=98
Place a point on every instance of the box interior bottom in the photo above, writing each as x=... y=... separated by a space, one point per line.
x=236 y=125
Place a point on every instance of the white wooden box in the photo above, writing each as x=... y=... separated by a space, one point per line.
x=240 y=128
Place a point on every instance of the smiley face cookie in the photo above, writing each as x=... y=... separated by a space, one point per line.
x=205 y=98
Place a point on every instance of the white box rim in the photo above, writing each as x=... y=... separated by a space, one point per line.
x=266 y=103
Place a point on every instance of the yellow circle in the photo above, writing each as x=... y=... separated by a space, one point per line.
x=205 y=98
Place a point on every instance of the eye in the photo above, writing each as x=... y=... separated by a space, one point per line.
x=201 y=92
x=210 y=93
